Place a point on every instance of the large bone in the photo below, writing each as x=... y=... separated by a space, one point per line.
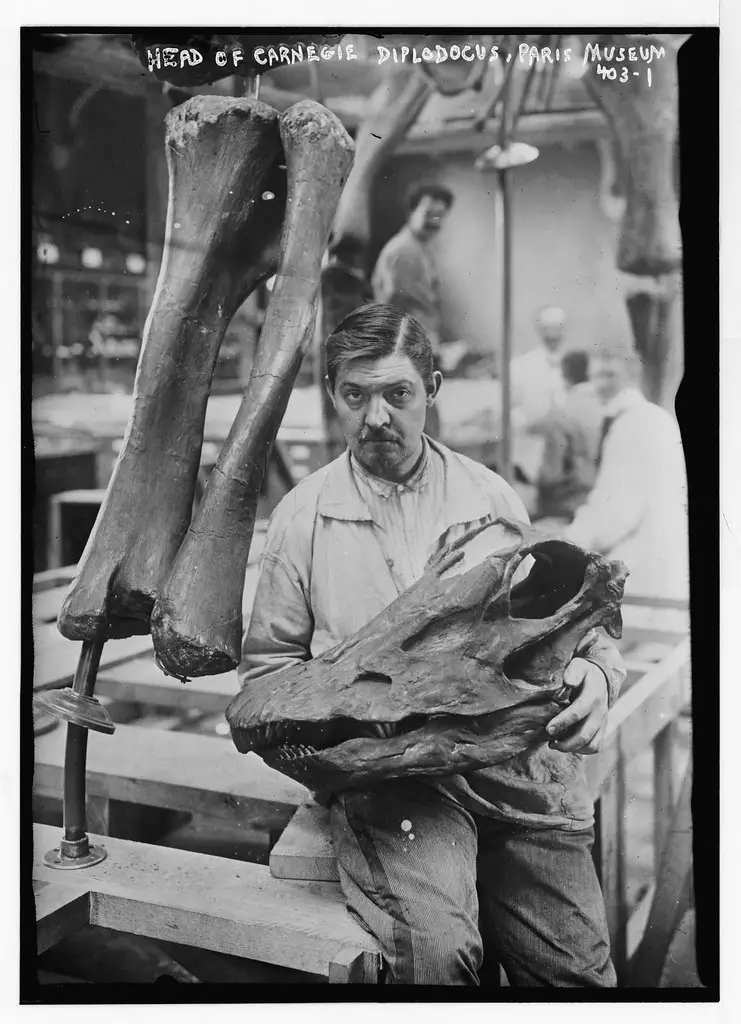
x=197 y=621
x=222 y=238
x=643 y=116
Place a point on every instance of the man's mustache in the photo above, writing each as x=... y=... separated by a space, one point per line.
x=377 y=435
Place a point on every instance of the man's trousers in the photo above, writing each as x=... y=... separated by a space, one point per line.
x=439 y=887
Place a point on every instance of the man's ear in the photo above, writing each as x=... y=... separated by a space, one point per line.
x=330 y=392
x=437 y=380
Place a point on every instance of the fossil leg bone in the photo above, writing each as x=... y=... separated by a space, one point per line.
x=197 y=621
x=223 y=229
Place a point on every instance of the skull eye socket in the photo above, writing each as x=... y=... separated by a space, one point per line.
x=555 y=579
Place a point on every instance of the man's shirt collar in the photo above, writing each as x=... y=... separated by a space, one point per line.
x=465 y=500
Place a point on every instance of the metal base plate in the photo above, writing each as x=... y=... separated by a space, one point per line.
x=86 y=712
x=55 y=859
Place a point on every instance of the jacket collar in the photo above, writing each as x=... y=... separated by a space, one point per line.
x=626 y=399
x=465 y=499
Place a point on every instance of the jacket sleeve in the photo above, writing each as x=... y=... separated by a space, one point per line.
x=281 y=625
x=603 y=653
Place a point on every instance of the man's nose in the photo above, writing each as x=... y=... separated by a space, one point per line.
x=378 y=414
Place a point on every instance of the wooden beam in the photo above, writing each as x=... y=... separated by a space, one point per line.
x=567 y=127
x=51 y=578
x=610 y=858
x=178 y=771
x=642 y=713
x=60 y=910
x=354 y=967
x=142 y=682
x=673 y=894
x=55 y=658
x=305 y=848
x=46 y=603
x=214 y=903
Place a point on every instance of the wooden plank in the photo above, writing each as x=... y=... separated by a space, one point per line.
x=130 y=821
x=179 y=771
x=672 y=900
x=60 y=910
x=665 y=786
x=55 y=657
x=305 y=848
x=636 y=927
x=610 y=856
x=641 y=713
x=50 y=578
x=214 y=903
x=46 y=603
x=657 y=602
x=673 y=620
x=141 y=681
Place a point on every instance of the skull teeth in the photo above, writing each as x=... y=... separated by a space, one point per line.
x=292 y=752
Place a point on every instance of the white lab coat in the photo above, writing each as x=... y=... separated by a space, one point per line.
x=637 y=512
x=537 y=387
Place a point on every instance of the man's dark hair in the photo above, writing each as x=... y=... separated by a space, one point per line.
x=439 y=192
x=575 y=366
x=374 y=332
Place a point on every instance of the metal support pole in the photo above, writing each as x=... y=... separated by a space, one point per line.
x=79 y=708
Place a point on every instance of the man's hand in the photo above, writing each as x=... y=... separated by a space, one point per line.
x=579 y=729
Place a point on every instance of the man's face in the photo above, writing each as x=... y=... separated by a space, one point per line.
x=381 y=405
x=428 y=216
x=609 y=377
x=550 y=327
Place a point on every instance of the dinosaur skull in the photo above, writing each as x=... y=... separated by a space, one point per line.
x=459 y=673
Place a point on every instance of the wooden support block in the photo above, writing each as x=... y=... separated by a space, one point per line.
x=355 y=967
x=305 y=848
x=214 y=903
x=142 y=682
x=178 y=771
x=60 y=910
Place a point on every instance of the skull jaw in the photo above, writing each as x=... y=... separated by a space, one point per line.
x=446 y=745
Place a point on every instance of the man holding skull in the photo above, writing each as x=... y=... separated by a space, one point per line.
x=440 y=871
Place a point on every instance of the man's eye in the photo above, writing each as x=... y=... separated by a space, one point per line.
x=401 y=394
x=353 y=396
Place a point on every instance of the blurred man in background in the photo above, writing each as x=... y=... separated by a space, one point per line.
x=571 y=435
x=405 y=275
x=637 y=511
x=537 y=387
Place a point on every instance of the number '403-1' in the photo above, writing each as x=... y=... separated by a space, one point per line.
x=612 y=73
